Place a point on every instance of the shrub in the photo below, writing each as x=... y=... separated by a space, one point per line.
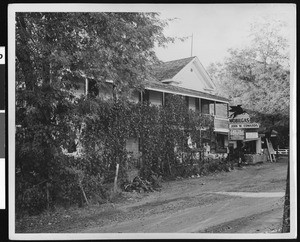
x=100 y=129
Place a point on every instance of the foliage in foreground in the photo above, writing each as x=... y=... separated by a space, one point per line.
x=100 y=130
x=55 y=54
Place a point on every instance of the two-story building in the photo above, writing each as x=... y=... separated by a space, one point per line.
x=188 y=78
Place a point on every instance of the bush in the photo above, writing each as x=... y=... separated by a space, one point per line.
x=32 y=202
x=100 y=129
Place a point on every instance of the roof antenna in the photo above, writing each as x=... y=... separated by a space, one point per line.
x=192 y=45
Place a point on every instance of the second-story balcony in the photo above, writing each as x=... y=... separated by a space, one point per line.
x=156 y=94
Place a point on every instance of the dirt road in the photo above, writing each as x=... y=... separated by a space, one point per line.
x=245 y=200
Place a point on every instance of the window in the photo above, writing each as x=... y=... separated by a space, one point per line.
x=146 y=95
x=205 y=106
x=92 y=87
x=197 y=104
x=187 y=101
x=167 y=97
x=220 y=141
x=212 y=108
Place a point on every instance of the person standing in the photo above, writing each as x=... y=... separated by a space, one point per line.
x=206 y=149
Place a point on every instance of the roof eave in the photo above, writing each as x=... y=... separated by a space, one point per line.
x=157 y=86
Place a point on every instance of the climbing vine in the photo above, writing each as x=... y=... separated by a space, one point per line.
x=99 y=130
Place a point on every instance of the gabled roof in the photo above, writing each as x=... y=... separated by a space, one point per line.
x=162 y=74
x=169 y=69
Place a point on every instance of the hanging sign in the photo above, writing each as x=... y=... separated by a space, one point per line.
x=237 y=134
x=251 y=135
x=239 y=124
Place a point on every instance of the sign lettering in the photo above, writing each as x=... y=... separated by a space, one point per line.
x=244 y=126
x=241 y=118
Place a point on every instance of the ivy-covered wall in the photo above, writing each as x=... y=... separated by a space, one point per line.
x=102 y=129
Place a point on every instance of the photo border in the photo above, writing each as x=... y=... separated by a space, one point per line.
x=12 y=10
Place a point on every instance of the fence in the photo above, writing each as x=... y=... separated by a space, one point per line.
x=282 y=151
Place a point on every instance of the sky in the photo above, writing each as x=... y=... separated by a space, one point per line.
x=216 y=27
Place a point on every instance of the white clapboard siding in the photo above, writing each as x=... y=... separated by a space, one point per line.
x=221 y=110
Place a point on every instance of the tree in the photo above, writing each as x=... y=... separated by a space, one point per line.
x=55 y=53
x=258 y=76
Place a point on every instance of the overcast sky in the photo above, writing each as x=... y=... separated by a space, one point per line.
x=215 y=27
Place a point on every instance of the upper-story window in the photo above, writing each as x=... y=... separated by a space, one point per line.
x=212 y=110
x=167 y=98
x=197 y=105
x=187 y=101
x=205 y=106
x=156 y=98
x=92 y=88
x=144 y=96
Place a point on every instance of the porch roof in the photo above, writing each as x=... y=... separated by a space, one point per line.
x=161 y=87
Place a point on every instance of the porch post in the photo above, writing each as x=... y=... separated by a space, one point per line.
x=200 y=109
x=141 y=96
x=215 y=113
x=227 y=110
x=86 y=86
